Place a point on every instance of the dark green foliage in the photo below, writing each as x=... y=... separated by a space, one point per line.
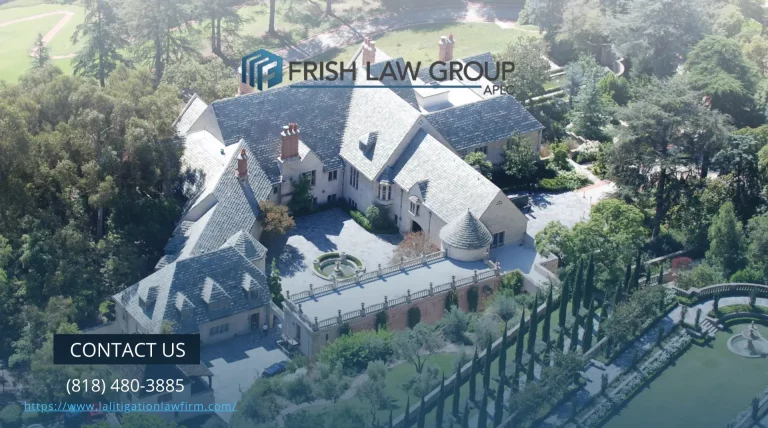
x=440 y=404
x=586 y=340
x=534 y=324
x=659 y=334
x=616 y=87
x=603 y=318
x=498 y=405
x=529 y=374
x=608 y=347
x=547 y=354
x=356 y=350
x=561 y=340
x=661 y=273
x=381 y=320
x=545 y=332
x=503 y=354
x=696 y=323
x=635 y=280
x=574 y=334
x=512 y=281
x=520 y=344
x=487 y=365
x=344 y=329
x=515 y=382
x=716 y=303
x=301 y=196
x=603 y=383
x=414 y=316
x=465 y=416
x=378 y=215
x=407 y=416
x=752 y=299
x=754 y=408
x=482 y=421
x=473 y=377
x=634 y=358
x=472 y=298
x=451 y=300
x=578 y=290
x=564 y=302
x=390 y=425
x=627 y=280
x=589 y=285
x=456 y=392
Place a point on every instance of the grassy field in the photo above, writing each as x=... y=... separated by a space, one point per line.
x=705 y=387
x=17 y=39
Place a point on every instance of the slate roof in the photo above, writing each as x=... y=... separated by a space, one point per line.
x=396 y=84
x=247 y=245
x=220 y=273
x=483 y=58
x=449 y=185
x=476 y=124
x=192 y=111
x=466 y=232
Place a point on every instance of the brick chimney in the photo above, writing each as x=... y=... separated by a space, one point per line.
x=446 y=48
x=368 y=51
x=243 y=88
x=242 y=165
x=289 y=141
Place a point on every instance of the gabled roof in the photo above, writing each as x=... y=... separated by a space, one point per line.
x=192 y=111
x=399 y=86
x=476 y=124
x=466 y=232
x=188 y=283
x=448 y=184
x=246 y=245
x=483 y=58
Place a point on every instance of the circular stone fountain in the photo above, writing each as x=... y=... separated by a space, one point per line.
x=337 y=265
x=749 y=343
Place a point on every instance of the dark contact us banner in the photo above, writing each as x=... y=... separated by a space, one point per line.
x=126 y=349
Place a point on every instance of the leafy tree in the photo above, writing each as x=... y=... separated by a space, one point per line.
x=615 y=87
x=739 y=158
x=454 y=324
x=552 y=240
x=162 y=32
x=220 y=14
x=41 y=56
x=299 y=390
x=547 y=14
x=271 y=29
x=485 y=328
x=210 y=79
x=519 y=162
x=275 y=287
x=590 y=112
x=479 y=161
x=560 y=155
x=756 y=51
x=259 y=403
x=329 y=383
x=298 y=419
x=373 y=390
x=729 y=21
x=356 y=350
x=275 y=218
x=301 y=197
x=104 y=39
x=413 y=245
x=642 y=159
x=531 y=67
x=656 y=33
x=418 y=344
x=717 y=67
x=726 y=250
x=757 y=250
x=512 y=282
x=504 y=306
x=581 y=24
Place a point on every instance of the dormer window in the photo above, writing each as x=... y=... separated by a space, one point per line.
x=218 y=305
x=253 y=294
x=385 y=191
x=415 y=205
x=142 y=304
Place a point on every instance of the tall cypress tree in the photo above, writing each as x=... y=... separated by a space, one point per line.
x=564 y=301
x=503 y=354
x=515 y=382
x=456 y=392
x=390 y=419
x=534 y=326
x=661 y=273
x=634 y=283
x=625 y=288
x=520 y=344
x=547 y=355
x=529 y=372
x=440 y=404
x=104 y=40
x=578 y=289
x=422 y=414
x=561 y=340
x=547 y=318
x=482 y=422
x=498 y=408
x=487 y=364
x=589 y=285
x=603 y=318
x=472 y=375
x=648 y=276
x=574 y=334
x=586 y=340
x=407 y=416
x=465 y=416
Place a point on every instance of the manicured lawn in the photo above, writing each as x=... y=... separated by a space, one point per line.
x=16 y=40
x=705 y=387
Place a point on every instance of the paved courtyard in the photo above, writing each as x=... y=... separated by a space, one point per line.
x=327 y=231
x=236 y=363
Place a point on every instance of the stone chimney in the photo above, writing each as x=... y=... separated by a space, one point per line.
x=242 y=165
x=446 y=48
x=368 y=51
x=289 y=141
x=243 y=88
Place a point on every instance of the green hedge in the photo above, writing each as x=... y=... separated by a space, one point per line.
x=363 y=221
x=733 y=309
x=564 y=181
x=356 y=350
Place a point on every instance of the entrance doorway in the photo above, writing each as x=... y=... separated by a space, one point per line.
x=255 y=321
x=415 y=227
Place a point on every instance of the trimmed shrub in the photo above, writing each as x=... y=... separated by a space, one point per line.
x=361 y=219
x=472 y=299
x=701 y=276
x=378 y=216
x=451 y=300
x=381 y=320
x=749 y=274
x=564 y=181
x=414 y=316
x=356 y=350
x=560 y=155
x=344 y=329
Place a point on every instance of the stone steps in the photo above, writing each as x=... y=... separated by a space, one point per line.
x=709 y=328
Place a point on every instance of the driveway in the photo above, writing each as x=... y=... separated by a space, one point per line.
x=236 y=363
x=327 y=231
